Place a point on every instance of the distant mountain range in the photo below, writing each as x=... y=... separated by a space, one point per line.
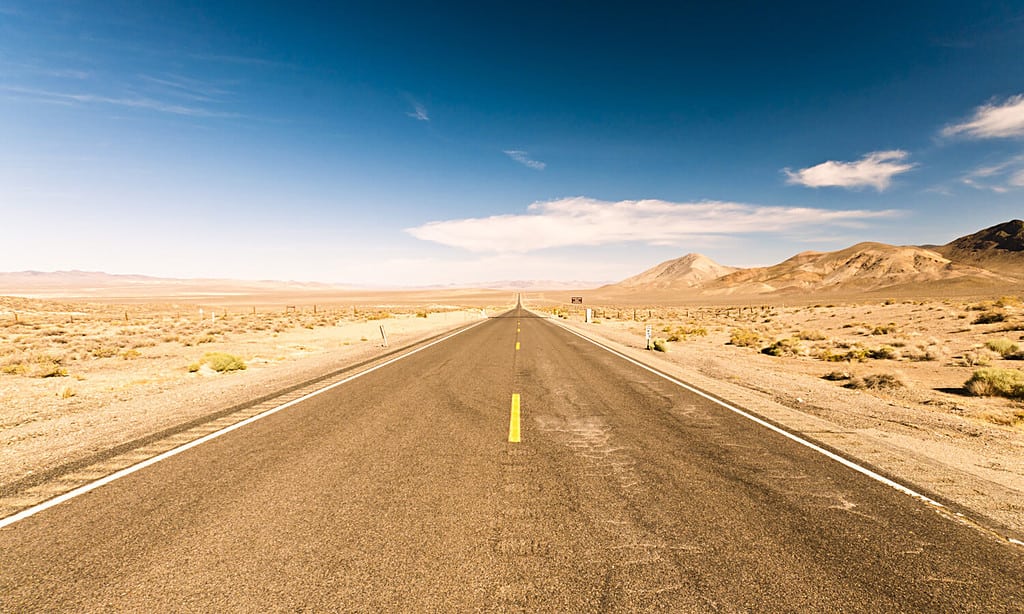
x=985 y=261
x=989 y=258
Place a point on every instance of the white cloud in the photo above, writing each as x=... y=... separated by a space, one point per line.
x=1017 y=179
x=586 y=221
x=999 y=178
x=419 y=112
x=136 y=102
x=875 y=169
x=993 y=120
x=523 y=158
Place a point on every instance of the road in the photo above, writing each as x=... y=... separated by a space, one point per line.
x=400 y=491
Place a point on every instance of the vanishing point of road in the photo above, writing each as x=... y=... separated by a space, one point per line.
x=511 y=467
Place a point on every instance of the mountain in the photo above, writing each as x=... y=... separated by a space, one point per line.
x=999 y=248
x=860 y=268
x=988 y=260
x=690 y=271
x=90 y=283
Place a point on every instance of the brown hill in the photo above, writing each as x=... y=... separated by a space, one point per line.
x=999 y=248
x=690 y=271
x=863 y=267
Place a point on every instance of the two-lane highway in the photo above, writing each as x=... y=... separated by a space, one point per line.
x=407 y=490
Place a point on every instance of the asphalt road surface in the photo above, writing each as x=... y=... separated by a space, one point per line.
x=400 y=491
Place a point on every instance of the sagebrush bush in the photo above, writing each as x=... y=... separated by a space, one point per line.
x=744 y=337
x=658 y=345
x=811 y=335
x=1004 y=347
x=996 y=382
x=222 y=362
x=784 y=347
x=878 y=381
x=990 y=317
x=883 y=353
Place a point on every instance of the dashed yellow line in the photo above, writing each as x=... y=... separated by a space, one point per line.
x=517 y=345
x=513 y=423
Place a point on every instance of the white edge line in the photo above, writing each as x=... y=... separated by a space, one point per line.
x=768 y=425
x=81 y=490
x=800 y=440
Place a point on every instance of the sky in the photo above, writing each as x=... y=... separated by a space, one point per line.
x=451 y=143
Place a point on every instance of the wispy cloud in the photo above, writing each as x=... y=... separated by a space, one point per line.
x=992 y=120
x=186 y=87
x=875 y=169
x=136 y=102
x=523 y=158
x=240 y=59
x=586 y=221
x=999 y=178
x=419 y=112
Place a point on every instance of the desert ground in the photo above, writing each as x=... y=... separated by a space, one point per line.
x=883 y=380
x=80 y=377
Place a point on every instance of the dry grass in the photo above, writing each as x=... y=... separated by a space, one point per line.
x=993 y=381
x=930 y=339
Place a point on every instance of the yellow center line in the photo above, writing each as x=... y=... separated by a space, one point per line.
x=513 y=423
x=517 y=345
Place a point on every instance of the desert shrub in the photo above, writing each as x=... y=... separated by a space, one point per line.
x=1003 y=347
x=996 y=382
x=743 y=337
x=658 y=345
x=884 y=352
x=974 y=359
x=884 y=329
x=836 y=376
x=990 y=317
x=784 y=347
x=1008 y=301
x=221 y=362
x=811 y=335
x=104 y=351
x=67 y=393
x=421 y=314
x=855 y=354
x=192 y=368
x=131 y=354
x=878 y=381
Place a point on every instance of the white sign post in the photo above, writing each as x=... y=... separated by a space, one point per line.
x=648 y=335
x=590 y=315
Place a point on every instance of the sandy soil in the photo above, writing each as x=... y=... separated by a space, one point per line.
x=77 y=378
x=928 y=431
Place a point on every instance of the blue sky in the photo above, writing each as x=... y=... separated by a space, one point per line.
x=428 y=143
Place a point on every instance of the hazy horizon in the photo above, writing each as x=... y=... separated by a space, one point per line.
x=414 y=146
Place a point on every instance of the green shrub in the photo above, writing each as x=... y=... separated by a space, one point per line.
x=743 y=337
x=1003 y=347
x=996 y=382
x=222 y=362
x=884 y=329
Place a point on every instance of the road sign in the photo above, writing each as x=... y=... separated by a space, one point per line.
x=577 y=300
x=648 y=332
